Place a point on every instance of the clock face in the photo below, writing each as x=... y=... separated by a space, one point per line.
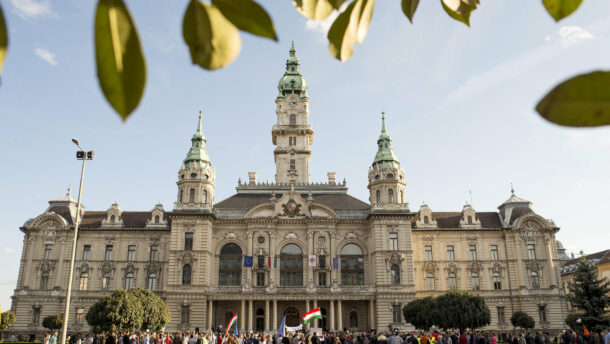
x=292 y=102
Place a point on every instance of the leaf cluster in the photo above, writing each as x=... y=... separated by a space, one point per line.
x=588 y=293
x=53 y=322
x=522 y=320
x=128 y=311
x=7 y=319
x=455 y=309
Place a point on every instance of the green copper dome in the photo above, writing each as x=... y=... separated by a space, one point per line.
x=197 y=155
x=385 y=157
x=292 y=82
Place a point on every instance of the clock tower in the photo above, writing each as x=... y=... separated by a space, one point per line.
x=292 y=135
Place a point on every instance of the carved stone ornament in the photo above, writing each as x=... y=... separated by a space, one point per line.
x=230 y=235
x=428 y=237
x=291 y=235
x=49 y=233
x=528 y=232
x=533 y=266
x=452 y=268
x=46 y=266
x=430 y=268
x=351 y=235
x=291 y=208
x=187 y=258
x=497 y=268
x=130 y=268
x=110 y=239
x=152 y=267
x=107 y=267
x=84 y=267
x=474 y=267
x=394 y=258
x=261 y=251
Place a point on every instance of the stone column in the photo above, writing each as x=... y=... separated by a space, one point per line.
x=272 y=273
x=243 y=315
x=274 y=314
x=27 y=279
x=316 y=321
x=339 y=316
x=250 y=305
x=309 y=251
x=307 y=310
x=331 y=326
x=210 y=314
x=250 y=253
x=60 y=267
x=371 y=314
x=333 y=254
x=550 y=275
x=267 y=315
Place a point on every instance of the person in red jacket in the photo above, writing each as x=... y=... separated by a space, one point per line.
x=463 y=339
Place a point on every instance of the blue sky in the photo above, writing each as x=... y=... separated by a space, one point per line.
x=459 y=103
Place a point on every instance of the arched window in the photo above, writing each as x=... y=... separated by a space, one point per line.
x=497 y=281
x=452 y=281
x=229 y=272
x=152 y=281
x=391 y=195
x=352 y=265
x=293 y=119
x=426 y=219
x=82 y=283
x=535 y=280
x=112 y=218
x=378 y=196
x=469 y=219
x=291 y=265
x=204 y=196
x=395 y=274
x=353 y=319
x=156 y=219
x=186 y=274
x=474 y=281
x=192 y=195
x=429 y=281
x=180 y=196
x=106 y=281
x=44 y=280
x=129 y=280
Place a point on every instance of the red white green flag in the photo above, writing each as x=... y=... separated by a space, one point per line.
x=313 y=314
x=232 y=322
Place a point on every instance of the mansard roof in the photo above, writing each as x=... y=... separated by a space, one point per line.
x=489 y=220
x=333 y=201
x=131 y=219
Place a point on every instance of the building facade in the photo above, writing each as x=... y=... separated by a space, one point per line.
x=283 y=248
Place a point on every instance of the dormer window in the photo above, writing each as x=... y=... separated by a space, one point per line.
x=112 y=219
x=156 y=219
x=426 y=219
x=390 y=176
x=469 y=219
x=193 y=175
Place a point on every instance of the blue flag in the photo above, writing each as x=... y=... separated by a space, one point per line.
x=281 y=331
x=248 y=261
x=236 y=332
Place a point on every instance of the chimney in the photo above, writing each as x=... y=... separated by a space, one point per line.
x=332 y=178
x=252 y=178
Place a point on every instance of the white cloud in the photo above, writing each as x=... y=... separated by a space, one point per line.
x=46 y=55
x=32 y=8
x=569 y=35
x=9 y=250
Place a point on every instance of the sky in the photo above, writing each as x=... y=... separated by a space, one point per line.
x=459 y=104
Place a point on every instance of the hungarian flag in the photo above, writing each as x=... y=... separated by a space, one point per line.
x=313 y=314
x=232 y=322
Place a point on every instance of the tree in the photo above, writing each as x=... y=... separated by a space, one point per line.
x=588 y=293
x=7 y=319
x=421 y=313
x=156 y=312
x=211 y=32
x=572 y=321
x=462 y=310
x=522 y=320
x=119 y=311
x=53 y=322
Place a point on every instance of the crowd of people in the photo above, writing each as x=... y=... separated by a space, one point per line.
x=341 y=337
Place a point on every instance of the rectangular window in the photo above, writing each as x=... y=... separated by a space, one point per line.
x=396 y=314
x=450 y=253
x=428 y=250
x=35 y=315
x=292 y=164
x=48 y=250
x=44 y=281
x=79 y=316
x=501 y=318
x=394 y=241
x=542 y=313
x=531 y=251
x=292 y=141
x=473 y=252
x=131 y=253
x=108 y=253
x=474 y=281
x=87 y=252
x=322 y=279
x=260 y=278
x=494 y=252
x=429 y=282
x=154 y=253
x=188 y=241
x=322 y=261
x=185 y=314
x=106 y=281
x=261 y=261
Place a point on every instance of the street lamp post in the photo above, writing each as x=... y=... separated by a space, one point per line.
x=83 y=155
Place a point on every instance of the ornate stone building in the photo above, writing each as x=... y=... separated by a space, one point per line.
x=283 y=248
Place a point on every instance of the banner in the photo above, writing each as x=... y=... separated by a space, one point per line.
x=269 y=262
x=312 y=260
x=248 y=260
x=294 y=329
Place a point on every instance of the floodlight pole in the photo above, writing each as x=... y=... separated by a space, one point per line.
x=85 y=156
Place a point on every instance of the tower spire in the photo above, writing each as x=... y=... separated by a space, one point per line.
x=385 y=156
x=383 y=122
x=198 y=155
x=293 y=81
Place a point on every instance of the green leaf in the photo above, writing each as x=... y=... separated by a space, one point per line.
x=559 y=9
x=582 y=101
x=248 y=16
x=317 y=9
x=349 y=28
x=3 y=40
x=460 y=9
x=121 y=69
x=213 y=41
x=409 y=7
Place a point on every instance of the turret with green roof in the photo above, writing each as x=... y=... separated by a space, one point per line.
x=293 y=81
x=197 y=155
x=385 y=156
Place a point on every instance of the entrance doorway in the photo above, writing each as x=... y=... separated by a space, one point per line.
x=260 y=319
x=293 y=318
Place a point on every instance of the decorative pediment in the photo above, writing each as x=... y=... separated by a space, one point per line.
x=157 y=217
x=130 y=268
x=452 y=268
x=107 y=267
x=153 y=267
x=291 y=205
x=425 y=219
x=46 y=266
x=469 y=218
x=49 y=220
x=533 y=265
x=351 y=235
x=430 y=267
x=187 y=258
x=84 y=267
x=497 y=267
x=393 y=258
x=529 y=230
x=113 y=217
x=474 y=267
